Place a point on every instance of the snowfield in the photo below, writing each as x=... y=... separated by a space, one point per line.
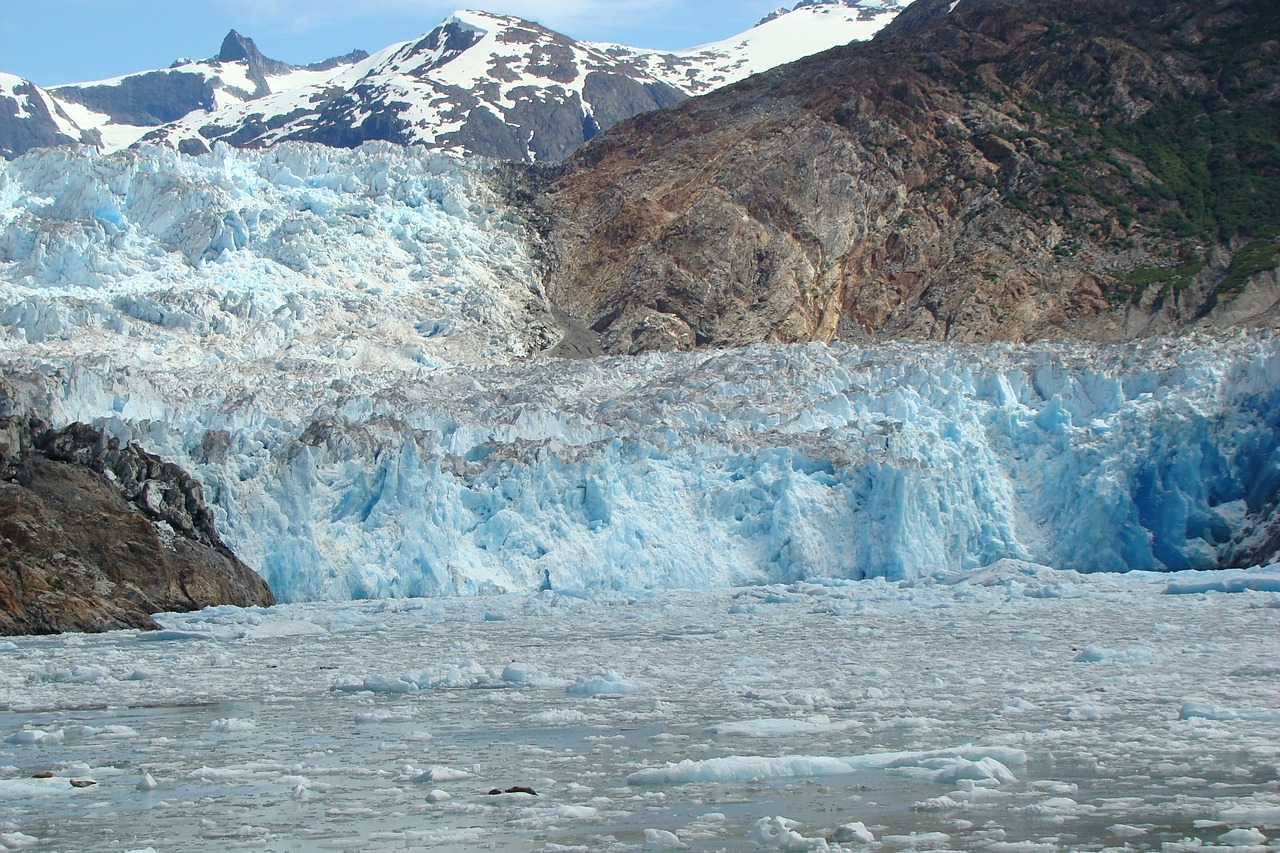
x=1012 y=708
x=337 y=344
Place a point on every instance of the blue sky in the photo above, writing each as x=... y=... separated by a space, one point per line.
x=67 y=41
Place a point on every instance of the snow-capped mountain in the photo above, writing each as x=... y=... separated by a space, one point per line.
x=482 y=83
x=31 y=118
x=121 y=110
x=508 y=88
x=782 y=37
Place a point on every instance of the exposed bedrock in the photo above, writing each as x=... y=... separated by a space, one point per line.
x=1002 y=171
x=95 y=536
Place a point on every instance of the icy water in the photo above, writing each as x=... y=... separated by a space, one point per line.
x=1013 y=709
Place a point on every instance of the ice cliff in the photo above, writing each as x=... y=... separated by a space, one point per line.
x=335 y=343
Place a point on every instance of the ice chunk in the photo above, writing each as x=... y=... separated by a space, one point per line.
x=1258 y=579
x=765 y=728
x=964 y=763
x=36 y=737
x=1125 y=830
x=1243 y=838
x=232 y=725
x=1266 y=815
x=853 y=833
x=609 y=684
x=1095 y=654
x=440 y=773
x=779 y=833
x=1207 y=711
x=661 y=839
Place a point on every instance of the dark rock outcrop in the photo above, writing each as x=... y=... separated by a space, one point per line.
x=148 y=99
x=996 y=169
x=238 y=48
x=27 y=119
x=95 y=536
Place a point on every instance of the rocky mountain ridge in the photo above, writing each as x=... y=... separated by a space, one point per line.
x=97 y=536
x=115 y=113
x=504 y=87
x=486 y=84
x=31 y=118
x=979 y=171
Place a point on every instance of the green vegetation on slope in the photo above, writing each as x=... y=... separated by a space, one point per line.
x=1221 y=168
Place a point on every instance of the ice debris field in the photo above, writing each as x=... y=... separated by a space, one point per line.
x=1014 y=709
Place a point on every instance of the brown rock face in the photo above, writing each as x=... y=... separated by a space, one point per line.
x=1005 y=171
x=95 y=537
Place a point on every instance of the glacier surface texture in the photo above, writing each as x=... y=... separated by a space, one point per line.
x=338 y=345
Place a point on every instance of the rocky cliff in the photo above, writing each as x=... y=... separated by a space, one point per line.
x=94 y=536
x=29 y=118
x=992 y=169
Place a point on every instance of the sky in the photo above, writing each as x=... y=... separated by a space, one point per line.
x=70 y=41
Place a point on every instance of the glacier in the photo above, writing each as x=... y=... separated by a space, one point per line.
x=342 y=347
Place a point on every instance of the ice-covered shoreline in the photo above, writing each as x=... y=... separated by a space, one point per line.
x=714 y=468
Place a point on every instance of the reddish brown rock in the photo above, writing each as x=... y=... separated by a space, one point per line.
x=949 y=180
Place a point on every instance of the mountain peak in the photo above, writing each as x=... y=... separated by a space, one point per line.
x=236 y=47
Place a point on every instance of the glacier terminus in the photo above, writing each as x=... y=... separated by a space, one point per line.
x=340 y=345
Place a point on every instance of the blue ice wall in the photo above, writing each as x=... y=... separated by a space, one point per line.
x=769 y=464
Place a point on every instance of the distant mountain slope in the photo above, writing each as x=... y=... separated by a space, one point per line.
x=123 y=109
x=784 y=36
x=492 y=85
x=987 y=169
x=479 y=83
x=504 y=87
x=30 y=118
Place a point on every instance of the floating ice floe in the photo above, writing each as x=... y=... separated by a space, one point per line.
x=1208 y=711
x=779 y=833
x=949 y=765
x=609 y=684
x=1257 y=579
